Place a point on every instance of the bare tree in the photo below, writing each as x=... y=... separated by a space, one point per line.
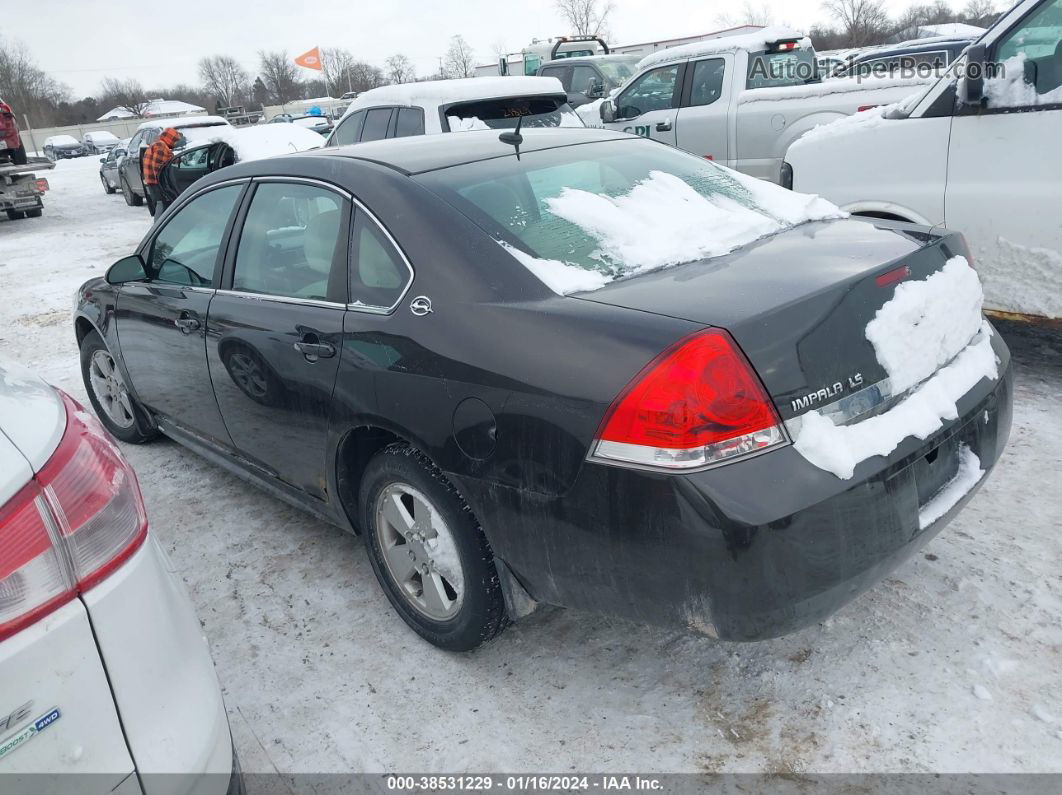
x=748 y=14
x=586 y=17
x=365 y=76
x=224 y=78
x=279 y=75
x=979 y=12
x=26 y=87
x=336 y=65
x=459 y=60
x=127 y=95
x=400 y=69
x=862 y=21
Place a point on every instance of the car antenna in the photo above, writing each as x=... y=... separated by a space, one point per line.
x=513 y=137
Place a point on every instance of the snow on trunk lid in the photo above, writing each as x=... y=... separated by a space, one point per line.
x=933 y=342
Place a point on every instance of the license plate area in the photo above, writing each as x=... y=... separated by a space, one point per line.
x=936 y=468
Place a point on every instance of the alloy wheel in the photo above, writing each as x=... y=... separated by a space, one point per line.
x=109 y=390
x=419 y=551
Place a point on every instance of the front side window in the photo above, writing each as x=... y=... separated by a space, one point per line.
x=186 y=250
x=655 y=90
x=194 y=159
x=376 y=122
x=585 y=80
x=378 y=274
x=707 y=84
x=348 y=130
x=292 y=243
x=1030 y=57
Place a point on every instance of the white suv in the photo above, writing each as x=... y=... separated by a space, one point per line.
x=106 y=677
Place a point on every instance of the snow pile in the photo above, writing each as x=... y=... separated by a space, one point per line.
x=926 y=323
x=184 y=123
x=757 y=40
x=840 y=85
x=255 y=143
x=590 y=113
x=558 y=276
x=464 y=124
x=967 y=476
x=1012 y=91
x=857 y=122
x=1019 y=278
x=839 y=448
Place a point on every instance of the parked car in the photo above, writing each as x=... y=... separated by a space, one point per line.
x=60 y=147
x=439 y=106
x=209 y=149
x=909 y=58
x=523 y=392
x=319 y=124
x=131 y=167
x=591 y=77
x=281 y=118
x=350 y=95
x=740 y=100
x=108 y=681
x=976 y=156
x=109 y=167
x=99 y=142
x=11 y=147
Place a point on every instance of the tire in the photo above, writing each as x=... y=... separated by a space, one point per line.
x=37 y=213
x=106 y=185
x=127 y=193
x=134 y=427
x=475 y=613
x=15 y=215
x=18 y=156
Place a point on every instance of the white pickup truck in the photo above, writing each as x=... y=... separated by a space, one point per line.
x=740 y=100
x=977 y=152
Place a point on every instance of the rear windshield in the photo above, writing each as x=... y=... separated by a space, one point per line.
x=503 y=113
x=777 y=69
x=619 y=207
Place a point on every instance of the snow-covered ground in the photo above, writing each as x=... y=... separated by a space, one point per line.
x=954 y=663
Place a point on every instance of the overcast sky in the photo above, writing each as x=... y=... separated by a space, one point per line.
x=80 y=42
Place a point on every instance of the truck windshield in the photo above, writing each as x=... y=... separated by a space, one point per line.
x=778 y=69
x=617 y=72
x=551 y=203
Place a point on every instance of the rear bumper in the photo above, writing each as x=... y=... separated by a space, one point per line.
x=748 y=551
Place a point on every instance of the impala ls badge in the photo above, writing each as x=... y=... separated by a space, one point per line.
x=420 y=306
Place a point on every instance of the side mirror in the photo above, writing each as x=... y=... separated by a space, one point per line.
x=608 y=111
x=595 y=89
x=103 y=160
x=972 y=90
x=127 y=269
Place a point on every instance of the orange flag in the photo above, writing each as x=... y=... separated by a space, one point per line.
x=310 y=59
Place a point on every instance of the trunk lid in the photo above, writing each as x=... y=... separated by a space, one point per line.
x=798 y=303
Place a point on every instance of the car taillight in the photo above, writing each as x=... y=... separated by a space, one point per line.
x=698 y=403
x=71 y=526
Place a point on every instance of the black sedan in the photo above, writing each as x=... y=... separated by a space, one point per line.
x=379 y=335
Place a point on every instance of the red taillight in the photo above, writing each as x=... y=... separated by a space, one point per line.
x=698 y=403
x=71 y=526
x=893 y=276
x=862 y=108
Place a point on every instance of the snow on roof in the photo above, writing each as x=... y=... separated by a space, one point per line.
x=182 y=122
x=842 y=85
x=431 y=93
x=101 y=135
x=156 y=107
x=61 y=140
x=756 y=40
x=254 y=143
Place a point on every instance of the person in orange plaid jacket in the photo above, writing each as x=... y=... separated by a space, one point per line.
x=155 y=157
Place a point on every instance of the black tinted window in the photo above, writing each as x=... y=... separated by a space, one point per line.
x=707 y=81
x=410 y=122
x=376 y=124
x=349 y=130
x=186 y=249
x=503 y=113
x=559 y=72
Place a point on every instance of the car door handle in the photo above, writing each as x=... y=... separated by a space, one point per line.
x=315 y=350
x=186 y=324
x=663 y=126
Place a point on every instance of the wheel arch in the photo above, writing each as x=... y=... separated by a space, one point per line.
x=354 y=450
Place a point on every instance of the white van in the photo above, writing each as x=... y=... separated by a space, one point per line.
x=979 y=155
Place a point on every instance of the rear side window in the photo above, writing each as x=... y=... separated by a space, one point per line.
x=376 y=122
x=186 y=249
x=292 y=243
x=547 y=111
x=348 y=130
x=378 y=274
x=410 y=122
x=559 y=72
x=707 y=85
